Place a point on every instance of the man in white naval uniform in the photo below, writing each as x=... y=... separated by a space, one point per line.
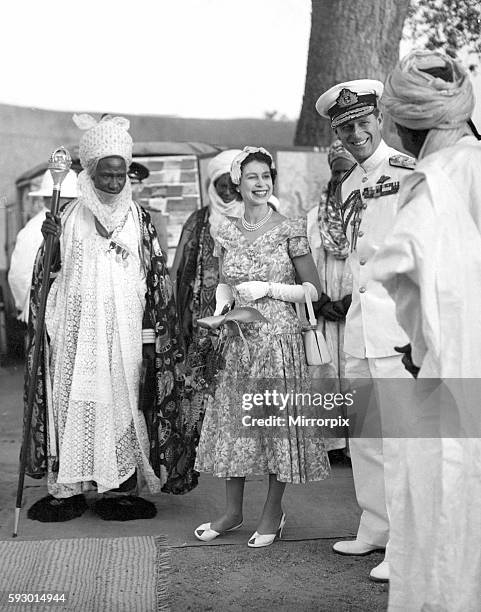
x=369 y=196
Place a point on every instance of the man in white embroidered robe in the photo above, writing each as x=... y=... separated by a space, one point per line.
x=98 y=439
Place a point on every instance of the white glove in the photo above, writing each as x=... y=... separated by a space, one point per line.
x=251 y=291
x=292 y=293
x=223 y=297
x=255 y=290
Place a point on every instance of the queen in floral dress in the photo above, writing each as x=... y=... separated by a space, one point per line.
x=261 y=256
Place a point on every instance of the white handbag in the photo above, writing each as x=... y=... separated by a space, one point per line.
x=315 y=345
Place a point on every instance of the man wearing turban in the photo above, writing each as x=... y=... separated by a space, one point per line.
x=110 y=316
x=329 y=248
x=431 y=265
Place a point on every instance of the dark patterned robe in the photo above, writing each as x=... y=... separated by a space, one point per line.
x=197 y=273
x=196 y=269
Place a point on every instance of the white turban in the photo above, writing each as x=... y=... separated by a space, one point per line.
x=219 y=165
x=421 y=101
x=107 y=138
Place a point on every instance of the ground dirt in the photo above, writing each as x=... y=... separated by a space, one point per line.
x=287 y=576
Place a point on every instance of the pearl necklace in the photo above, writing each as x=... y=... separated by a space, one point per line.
x=252 y=227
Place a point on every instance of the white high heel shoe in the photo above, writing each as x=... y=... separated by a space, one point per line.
x=258 y=540
x=209 y=534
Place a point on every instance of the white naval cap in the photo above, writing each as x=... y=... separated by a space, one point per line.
x=349 y=100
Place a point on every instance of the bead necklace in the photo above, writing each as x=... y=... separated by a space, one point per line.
x=252 y=227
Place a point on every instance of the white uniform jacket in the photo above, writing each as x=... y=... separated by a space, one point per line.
x=372 y=329
x=29 y=240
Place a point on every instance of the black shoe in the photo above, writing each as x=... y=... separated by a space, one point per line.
x=53 y=510
x=338 y=457
x=124 y=508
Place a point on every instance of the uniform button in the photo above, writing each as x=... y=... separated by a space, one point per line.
x=364 y=179
x=364 y=206
x=361 y=234
x=362 y=289
x=362 y=261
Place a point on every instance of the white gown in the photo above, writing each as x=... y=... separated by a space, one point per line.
x=94 y=320
x=431 y=265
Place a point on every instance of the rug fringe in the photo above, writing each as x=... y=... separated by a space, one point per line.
x=163 y=571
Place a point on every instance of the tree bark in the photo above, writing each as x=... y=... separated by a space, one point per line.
x=350 y=39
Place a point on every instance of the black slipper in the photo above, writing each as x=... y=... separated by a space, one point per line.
x=124 y=508
x=52 y=510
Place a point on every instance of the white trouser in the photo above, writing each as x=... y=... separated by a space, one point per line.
x=375 y=460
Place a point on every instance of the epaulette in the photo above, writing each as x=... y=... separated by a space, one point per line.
x=402 y=161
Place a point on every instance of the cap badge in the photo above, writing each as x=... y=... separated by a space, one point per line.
x=346 y=98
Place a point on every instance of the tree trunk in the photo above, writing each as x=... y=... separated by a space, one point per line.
x=350 y=39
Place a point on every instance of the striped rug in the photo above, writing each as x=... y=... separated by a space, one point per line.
x=94 y=574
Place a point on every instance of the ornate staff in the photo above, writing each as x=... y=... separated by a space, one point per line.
x=59 y=165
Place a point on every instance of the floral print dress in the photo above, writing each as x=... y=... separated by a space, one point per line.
x=264 y=357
